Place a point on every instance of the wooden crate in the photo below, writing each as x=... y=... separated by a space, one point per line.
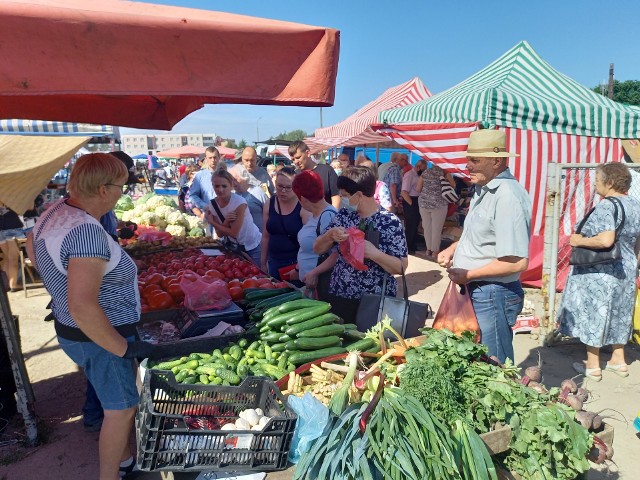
x=497 y=441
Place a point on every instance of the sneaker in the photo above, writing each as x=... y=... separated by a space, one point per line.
x=130 y=471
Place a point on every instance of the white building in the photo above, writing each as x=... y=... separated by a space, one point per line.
x=135 y=144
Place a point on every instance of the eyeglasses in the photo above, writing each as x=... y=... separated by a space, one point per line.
x=114 y=185
x=284 y=188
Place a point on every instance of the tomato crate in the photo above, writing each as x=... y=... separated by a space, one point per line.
x=176 y=426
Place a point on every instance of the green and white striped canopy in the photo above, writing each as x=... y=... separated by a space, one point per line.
x=520 y=90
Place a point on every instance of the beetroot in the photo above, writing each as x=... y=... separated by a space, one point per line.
x=538 y=387
x=570 y=384
x=582 y=394
x=534 y=373
x=573 y=402
x=585 y=418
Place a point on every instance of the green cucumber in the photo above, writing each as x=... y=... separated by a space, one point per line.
x=326 y=319
x=352 y=334
x=278 y=300
x=298 y=304
x=190 y=380
x=335 y=329
x=302 y=315
x=362 y=345
x=284 y=338
x=254 y=296
x=350 y=326
x=229 y=376
x=170 y=364
x=315 y=343
x=299 y=358
x=278 y=347
x=272 y=337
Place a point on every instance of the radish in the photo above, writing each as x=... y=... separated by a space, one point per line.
x=534 y=373
x=570 y=384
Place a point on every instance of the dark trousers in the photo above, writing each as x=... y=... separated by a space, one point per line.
x=411 y=222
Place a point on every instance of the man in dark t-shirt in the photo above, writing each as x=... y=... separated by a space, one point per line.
x=301 y=156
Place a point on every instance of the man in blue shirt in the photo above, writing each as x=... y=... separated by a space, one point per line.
x=494 y=247
x=201 y=191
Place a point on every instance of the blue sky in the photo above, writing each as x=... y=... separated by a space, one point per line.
x=443 y=42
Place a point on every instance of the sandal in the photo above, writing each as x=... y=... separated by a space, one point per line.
x=589 y=373
x=618 y=369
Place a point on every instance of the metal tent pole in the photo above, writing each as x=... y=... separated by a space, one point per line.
x=25 y=399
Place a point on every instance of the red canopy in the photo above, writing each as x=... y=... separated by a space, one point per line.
x=356 y=130
x=186 y=151
x=148 y=66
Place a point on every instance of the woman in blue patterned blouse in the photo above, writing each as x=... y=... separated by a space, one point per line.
x=385 y=251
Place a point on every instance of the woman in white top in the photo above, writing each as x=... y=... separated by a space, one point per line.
x=230 y=217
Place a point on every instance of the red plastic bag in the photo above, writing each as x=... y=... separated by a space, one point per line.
x=456 y=312
x=152 y=235
x=201 y=295
x=352 y=248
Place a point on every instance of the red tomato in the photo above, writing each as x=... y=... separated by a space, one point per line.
x=237 y=273
x=250 y=283
x=280 y=285
x=214 y=274
x=160 y=301
x=149 y=289
x=201 y=271
x=237 y=293
x=267 y=286
x=154 y=278
x=167 y=280
x=228 y=274
x=234 y=283
x=263 y=281
x=176 y=292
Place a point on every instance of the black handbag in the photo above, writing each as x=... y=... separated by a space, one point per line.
x=322 y=288
x=407 y=316
x=584 y=257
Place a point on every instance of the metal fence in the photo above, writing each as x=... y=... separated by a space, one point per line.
x=570 y=195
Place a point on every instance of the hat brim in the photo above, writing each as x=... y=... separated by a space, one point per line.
x=132 y=179
x=490 y=154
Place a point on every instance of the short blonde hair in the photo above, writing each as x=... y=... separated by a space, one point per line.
x=93 y=170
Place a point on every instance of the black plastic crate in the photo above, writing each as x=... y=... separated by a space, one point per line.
x=186 y=346
x=166 y=440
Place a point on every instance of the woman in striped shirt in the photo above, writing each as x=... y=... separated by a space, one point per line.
x=95 y=299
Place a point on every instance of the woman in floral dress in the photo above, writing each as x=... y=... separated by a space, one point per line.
x=598 y=300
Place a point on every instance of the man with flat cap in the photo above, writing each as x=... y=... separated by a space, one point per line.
x=494 y=247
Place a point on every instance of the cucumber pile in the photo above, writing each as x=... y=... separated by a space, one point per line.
x=260 y=300
x=306 y=330
x=228 y=366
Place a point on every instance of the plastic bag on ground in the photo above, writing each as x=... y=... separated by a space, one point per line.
x=456 y=312
x=201 y=295
x=352 y=248
x=313 y=417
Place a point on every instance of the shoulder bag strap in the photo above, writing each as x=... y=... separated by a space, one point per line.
x=319 y=221
x=616 y=202
x=214 y=204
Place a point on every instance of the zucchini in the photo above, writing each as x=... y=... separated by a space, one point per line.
x=335 y=329
x=362 y=345
x=298 y=358
x=326 y=319
x=315 y=343
x=298 y=304
x=308 y=313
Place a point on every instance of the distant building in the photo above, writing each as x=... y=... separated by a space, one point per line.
x=150 y=144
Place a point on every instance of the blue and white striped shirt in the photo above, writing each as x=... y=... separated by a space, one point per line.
x=65 y=232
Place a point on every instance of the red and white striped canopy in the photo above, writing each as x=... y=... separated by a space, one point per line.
x=355 y=129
